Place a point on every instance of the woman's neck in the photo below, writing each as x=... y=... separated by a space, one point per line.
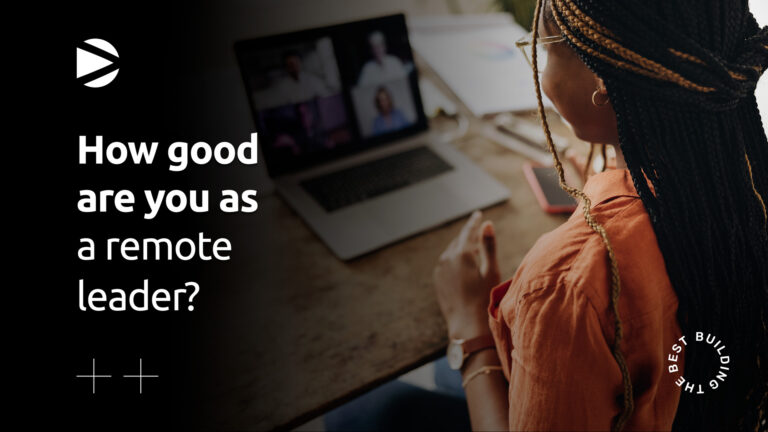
x=620 y=162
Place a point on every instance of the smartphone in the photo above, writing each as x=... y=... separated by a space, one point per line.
x=546 y=188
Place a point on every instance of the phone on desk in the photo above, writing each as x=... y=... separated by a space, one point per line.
x=546 y=188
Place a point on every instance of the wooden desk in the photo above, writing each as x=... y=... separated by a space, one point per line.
x=302 y=332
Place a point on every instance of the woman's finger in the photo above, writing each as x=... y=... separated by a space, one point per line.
x=488 y=235
x=469 y=228
x=450 y=250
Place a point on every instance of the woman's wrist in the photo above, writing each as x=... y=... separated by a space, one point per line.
x=468 y=327
x=487 y=357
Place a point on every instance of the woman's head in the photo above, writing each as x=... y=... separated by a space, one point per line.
x=570 y=85
x=680 y=77
x=383 y=101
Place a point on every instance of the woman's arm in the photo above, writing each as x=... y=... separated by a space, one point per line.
x=486 y=393
x=464 y=276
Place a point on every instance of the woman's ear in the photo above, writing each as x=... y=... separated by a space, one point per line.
x=600 y=95
x=600 y=86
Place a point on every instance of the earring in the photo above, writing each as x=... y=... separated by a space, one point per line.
x=594 y=98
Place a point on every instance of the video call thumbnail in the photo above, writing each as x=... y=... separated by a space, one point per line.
x=382 y=96
x=298 y=98
x=317 y=93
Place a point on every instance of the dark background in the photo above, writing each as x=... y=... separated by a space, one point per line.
x=148 y=100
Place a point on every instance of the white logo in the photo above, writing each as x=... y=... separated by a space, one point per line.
x=97 y=63
x=718 y=375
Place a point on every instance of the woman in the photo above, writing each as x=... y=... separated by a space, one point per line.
x=390 y=118
x=672 y=243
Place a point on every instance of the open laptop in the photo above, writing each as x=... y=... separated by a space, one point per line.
x=343 y=134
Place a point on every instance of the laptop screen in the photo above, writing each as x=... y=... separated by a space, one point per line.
x=322 y=93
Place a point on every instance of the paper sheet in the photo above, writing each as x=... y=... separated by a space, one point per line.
x=483 y=67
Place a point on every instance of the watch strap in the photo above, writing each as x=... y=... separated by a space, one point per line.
x=478 y=343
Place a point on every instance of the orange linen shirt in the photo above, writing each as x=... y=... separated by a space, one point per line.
x=554 y=329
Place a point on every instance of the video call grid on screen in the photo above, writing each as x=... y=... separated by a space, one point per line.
x=322 y=93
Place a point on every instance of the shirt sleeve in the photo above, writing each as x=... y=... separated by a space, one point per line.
x=562 y=375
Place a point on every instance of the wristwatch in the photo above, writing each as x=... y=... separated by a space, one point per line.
x=460 y=349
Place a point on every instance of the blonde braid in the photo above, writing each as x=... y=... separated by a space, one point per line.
x=686 y=56
x=628 y=405
x=754 y=190
x=648 y=67
x=589 y=50
x=575 y=9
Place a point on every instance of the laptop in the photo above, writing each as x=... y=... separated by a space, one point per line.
x=344 y=136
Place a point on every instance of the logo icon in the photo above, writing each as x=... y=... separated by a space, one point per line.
x=97 y=63
x=717 y=377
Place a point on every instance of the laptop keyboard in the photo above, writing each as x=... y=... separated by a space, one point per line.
x=360 y=182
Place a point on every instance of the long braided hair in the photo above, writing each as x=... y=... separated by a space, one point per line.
x=681 y=77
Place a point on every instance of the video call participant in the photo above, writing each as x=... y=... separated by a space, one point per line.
x=383 y=67
x=298 y=85
x=390 y=118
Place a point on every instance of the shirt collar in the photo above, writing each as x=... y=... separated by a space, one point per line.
x=610 y=184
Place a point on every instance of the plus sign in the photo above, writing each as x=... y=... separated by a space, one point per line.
x=93 y=376
x=141 y=376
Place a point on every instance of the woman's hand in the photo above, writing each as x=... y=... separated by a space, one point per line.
x=464 y=276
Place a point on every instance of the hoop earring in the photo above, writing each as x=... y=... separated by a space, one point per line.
x=594 y=96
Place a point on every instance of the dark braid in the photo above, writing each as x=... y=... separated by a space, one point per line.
x=681 y=77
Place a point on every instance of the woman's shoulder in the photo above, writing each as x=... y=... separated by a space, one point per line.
x=571 y=262
x=565 y=278
x=575 y=243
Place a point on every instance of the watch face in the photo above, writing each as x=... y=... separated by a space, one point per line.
x=455 y=355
